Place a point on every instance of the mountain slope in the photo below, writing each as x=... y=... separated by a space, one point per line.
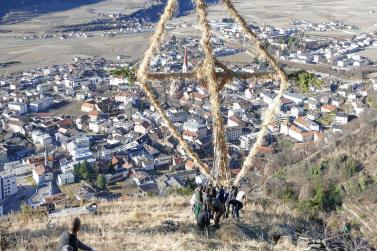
x=153 y=224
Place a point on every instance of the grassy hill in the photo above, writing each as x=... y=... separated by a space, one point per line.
x=335 y=182
x=149 y=224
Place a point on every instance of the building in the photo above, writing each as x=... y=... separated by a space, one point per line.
x=41 y=175
x=66 y=178
x=341 y=118
x=17 y=107
x=3 y=155
x=193 y=130
x=88 y=106
x=43 y=139
x=141 y=177
x=8 y=184
x=41 y=104
x=142 y=127
x=177 y=116
x=79 y=149
x=306 y=124
x=233 y=133
x=298 y=99
x=117 y=81
x=147 y=164
x=300 y=135
x=16 y=126
x=247 y=140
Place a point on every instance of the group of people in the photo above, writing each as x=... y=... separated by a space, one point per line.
x=210 y=202
x=207 y=202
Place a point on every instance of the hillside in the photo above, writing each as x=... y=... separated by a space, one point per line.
x=335 y=182
x=159 y=224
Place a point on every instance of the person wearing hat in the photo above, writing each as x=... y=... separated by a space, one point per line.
x=68 y=239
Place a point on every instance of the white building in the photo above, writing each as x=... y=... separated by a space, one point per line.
x=41 y=175
x=306 y=124
x=298 y=99
x=162 y=160
x=8 y=184
x=79 y=149
x=116 y=81
x=193 y=130
x=66 y=178
x=20 y=108
x=247 y=140
x=43 y=139
x=41 y=104
x=297 y=111
x=341 y=118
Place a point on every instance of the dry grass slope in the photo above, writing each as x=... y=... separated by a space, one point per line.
x=138 y=224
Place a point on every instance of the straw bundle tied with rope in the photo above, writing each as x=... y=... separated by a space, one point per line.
x=215 y=82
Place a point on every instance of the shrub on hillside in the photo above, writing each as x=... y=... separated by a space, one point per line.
x=325 y=199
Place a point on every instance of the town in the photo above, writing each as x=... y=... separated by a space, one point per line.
x=85 y=130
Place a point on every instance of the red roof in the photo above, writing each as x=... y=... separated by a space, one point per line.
x=55 y=198
x=64 y=123
x=35 y=160
x=93 y=113
x=189 y=164
x=328 y=108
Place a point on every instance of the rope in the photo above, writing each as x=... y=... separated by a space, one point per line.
x=263 y=52
x=143 y=79
x=220 y=147
x=206 y=71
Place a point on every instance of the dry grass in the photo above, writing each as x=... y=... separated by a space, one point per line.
x=137 y=224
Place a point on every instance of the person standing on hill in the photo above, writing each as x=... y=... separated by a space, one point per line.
x=237 y=202
x=197 y=201
x=68 y=239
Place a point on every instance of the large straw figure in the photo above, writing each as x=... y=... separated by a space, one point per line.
x=215 y=82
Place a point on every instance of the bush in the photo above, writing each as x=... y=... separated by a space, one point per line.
x=27 y=213
x=348 y=165
x=316 y=172
x=325 y=199
x=101 y=182
x=185 y=191
x=281 y=174
x=126 y=72
x=305 y=80
x=288 y=194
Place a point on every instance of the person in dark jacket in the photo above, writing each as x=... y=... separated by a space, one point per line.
x=69 y=238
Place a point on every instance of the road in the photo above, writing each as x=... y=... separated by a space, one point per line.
x=13 y=203
x=68 y=212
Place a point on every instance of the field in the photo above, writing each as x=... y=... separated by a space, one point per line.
x=71 y=108
x=122 y=187
x=71 y=189
x=40 y=52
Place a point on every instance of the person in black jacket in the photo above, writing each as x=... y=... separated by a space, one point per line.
x=68 y=239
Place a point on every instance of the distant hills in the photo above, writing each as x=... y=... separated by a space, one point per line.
x=40 y=6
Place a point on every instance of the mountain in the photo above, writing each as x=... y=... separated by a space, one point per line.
x=39 y=7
